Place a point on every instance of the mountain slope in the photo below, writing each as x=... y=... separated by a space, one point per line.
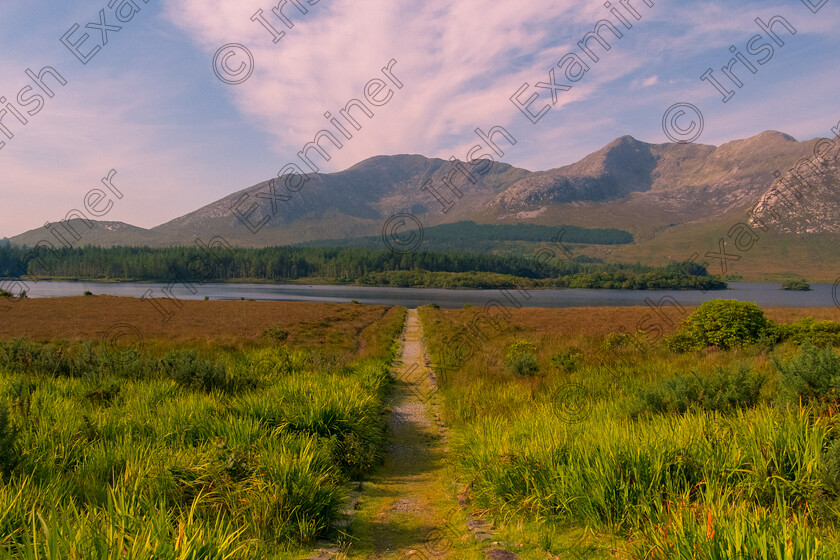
x=103 y=234
x=805 y=200
x=623 y=166
x=646 y=189
x=351 y=202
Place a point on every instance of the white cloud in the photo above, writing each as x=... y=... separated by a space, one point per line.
x=184 y=139
x=459 y=62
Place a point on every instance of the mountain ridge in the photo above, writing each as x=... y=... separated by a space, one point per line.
x=628 y=184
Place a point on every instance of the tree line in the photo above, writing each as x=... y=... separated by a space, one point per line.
x=333 y=265
x=471 y=237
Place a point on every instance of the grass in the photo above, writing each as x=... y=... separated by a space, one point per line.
x=329 y=327
x=703 y=455
x=773 y=258
x=189 y=449
x=238 y=436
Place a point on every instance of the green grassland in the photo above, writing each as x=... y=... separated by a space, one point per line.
x=714 y=440
x=587 y=445
x=185 y=451
x=774 y=257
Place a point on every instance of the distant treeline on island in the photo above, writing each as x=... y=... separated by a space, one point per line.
x=342 y=266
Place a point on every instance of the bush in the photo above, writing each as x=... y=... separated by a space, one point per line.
x=796 y=285
x=722 y=323
x=809 y=331
x=50 y=359
x=567 y=360
x=725 y=390
x=275 y=334
x=126 y=364
x=357 y=454
x=811 y=375
x=681 y=342
x=617 y=340
x=78 y=360
x=188 y=369
x=521 y=358
x=88 y=293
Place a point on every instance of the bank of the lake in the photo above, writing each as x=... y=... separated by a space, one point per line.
x=765 y=295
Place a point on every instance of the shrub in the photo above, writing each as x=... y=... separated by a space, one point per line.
x=567 y=360
x=521 y=358
x=725 y=390
x=275 y=334
x=796 y=285
x=4 y=293
x=811 y=375
x=188 y=369
x=49 y=359
x=88 y=293
x=809 y=331
x=729 y=388
x=681 y=342
x=125 y=364
x=617 y=340
x=722 y=323
x=357 y=454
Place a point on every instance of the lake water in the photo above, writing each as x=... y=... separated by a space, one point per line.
x=765 y=295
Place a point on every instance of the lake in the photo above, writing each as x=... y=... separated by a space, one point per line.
x=765 y=295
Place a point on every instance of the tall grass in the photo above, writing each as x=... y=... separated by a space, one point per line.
x=607 y=471
x=219 y=454
x=707 y=455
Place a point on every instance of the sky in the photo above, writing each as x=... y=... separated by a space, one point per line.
x=155 y=104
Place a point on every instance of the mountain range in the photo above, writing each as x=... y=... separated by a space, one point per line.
x=655 y=191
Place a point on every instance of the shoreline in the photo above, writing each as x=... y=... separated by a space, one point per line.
x=321 y=282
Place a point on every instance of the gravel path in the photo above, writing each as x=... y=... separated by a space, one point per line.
x=405 y=508
x=408 y=509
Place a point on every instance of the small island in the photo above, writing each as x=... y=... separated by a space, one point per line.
x=796 y=285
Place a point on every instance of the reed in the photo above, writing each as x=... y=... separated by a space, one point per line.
x=706 y=455
x=223 y=453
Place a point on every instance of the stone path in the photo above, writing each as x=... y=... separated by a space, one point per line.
x=406 y=510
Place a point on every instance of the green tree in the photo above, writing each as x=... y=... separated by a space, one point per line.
x=722 y=323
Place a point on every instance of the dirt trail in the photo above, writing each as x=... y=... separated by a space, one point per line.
x=406 y=509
